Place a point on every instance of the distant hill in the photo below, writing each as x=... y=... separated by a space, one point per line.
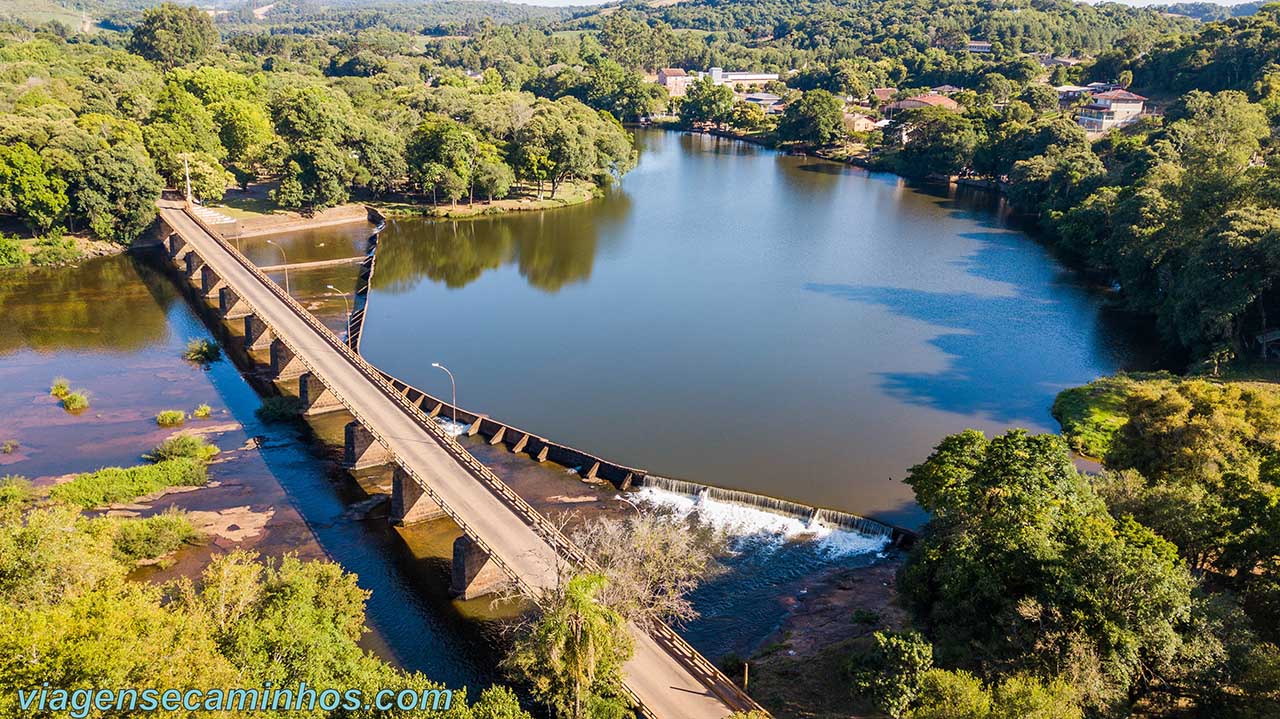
x=1209 y=12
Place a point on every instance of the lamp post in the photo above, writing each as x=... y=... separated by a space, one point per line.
x=286 y=266
x=344 y=304
x=452 y=384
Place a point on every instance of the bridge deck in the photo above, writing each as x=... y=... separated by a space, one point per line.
x=669 y=685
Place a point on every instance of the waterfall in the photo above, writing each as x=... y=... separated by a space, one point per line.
x=793 y=517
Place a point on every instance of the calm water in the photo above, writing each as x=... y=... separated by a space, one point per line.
x=736 y=316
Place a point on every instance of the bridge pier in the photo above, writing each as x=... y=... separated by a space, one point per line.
x=409 y=501
x=361 y=450
x=473 y=573
x=210 y=282
x=257 y=335
x=230 y=306
x=316 y=397
x=193 y=262
x=284 y=364
x=178 y=248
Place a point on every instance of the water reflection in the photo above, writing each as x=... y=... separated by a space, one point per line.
x=550 y=249
x=53 y=308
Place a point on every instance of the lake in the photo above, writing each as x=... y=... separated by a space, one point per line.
x=736 y=316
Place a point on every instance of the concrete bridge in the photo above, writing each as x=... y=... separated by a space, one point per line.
x=504 y=537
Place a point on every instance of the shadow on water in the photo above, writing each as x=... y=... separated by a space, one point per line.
x=1008 y=355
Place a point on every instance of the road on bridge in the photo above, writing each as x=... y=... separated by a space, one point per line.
x=668 y=688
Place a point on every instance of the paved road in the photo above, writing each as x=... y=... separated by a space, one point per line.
x=665 y=685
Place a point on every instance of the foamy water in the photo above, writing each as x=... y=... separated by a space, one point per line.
x=454 y=429
x=752 y=525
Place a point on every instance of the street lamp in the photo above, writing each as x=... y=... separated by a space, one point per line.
x=344 y=304
x=454 y=385
x=285 y=265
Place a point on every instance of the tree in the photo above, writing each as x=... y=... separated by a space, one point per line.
x=705 y=101
x=1023 y=568
x=651 y=565
x=325 y=174
x=442 y=153
x=572 y=654
x=117 y=192
x=936 y=141
x=747 y=116
x=1041 y=98
x=890 y=673
x=494 y=178
x=817 y=118
x=28 y=189
x=173 y=35
x=208 y=178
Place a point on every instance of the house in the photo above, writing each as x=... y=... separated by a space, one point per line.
x=925 y=100
x=1115 y=108
x=884 y=94
x=738 y=80
x=1096 y=87
x=1071 y=93
x=675 y=80
x=771 y=103
x=857 y=122
x=981 y=46
x=1047 y=60
x=947 y=89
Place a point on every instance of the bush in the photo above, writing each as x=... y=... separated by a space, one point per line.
x=77 y=401
x=202 y=411
x=61 y=387
x=54 y=249
x=890 y=673
x=182 y=447
x=153 y=537
x=11 y=252
x=171 y=418
x=10 y=446
x=279 y=409
x=15 y=490
x=122 y=484
x=202 y=351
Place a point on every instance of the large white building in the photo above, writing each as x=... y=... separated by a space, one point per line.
x=740 y=79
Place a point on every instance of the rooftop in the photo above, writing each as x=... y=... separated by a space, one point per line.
x=1118 y=95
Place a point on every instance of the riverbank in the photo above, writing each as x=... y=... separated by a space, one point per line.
x=800 y=671
x=523 y=199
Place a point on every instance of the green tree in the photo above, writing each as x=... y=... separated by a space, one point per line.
x=747 y=116
x=572 y=654
x=173 y=35
x=28 y=189
x=1023 y=568
x=817 y=118
x=705 y=101
x=117 y=192
x=890 y=673
x=934 y=141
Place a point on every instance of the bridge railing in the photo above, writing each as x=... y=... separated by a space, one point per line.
x=673 y=643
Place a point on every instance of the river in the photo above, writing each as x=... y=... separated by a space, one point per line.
x=736 y=316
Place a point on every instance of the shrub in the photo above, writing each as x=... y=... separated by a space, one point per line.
x=11 y=252
x=202 y=351
x=122 y=484
x=135 y=540
x=279 y=409
x=55 y=249
x=865 y=616
x=61 y=387
x=202 y=411
x=171 y=418
x=77 y=401
x=183 y=446
x=10 y=446
x=14 y=490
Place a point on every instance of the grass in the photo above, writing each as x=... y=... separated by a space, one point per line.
x=137 y=540
x=10 y=446
x=183 y=446
x=15 y=490
x=56 y=250
x=202 y=351
x=202 y=411
x=77 y=401
x=279 y=409
x=1091 y=415
x=123 y=484
x=60 y=388
x=171 y=418
x=524 y=198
